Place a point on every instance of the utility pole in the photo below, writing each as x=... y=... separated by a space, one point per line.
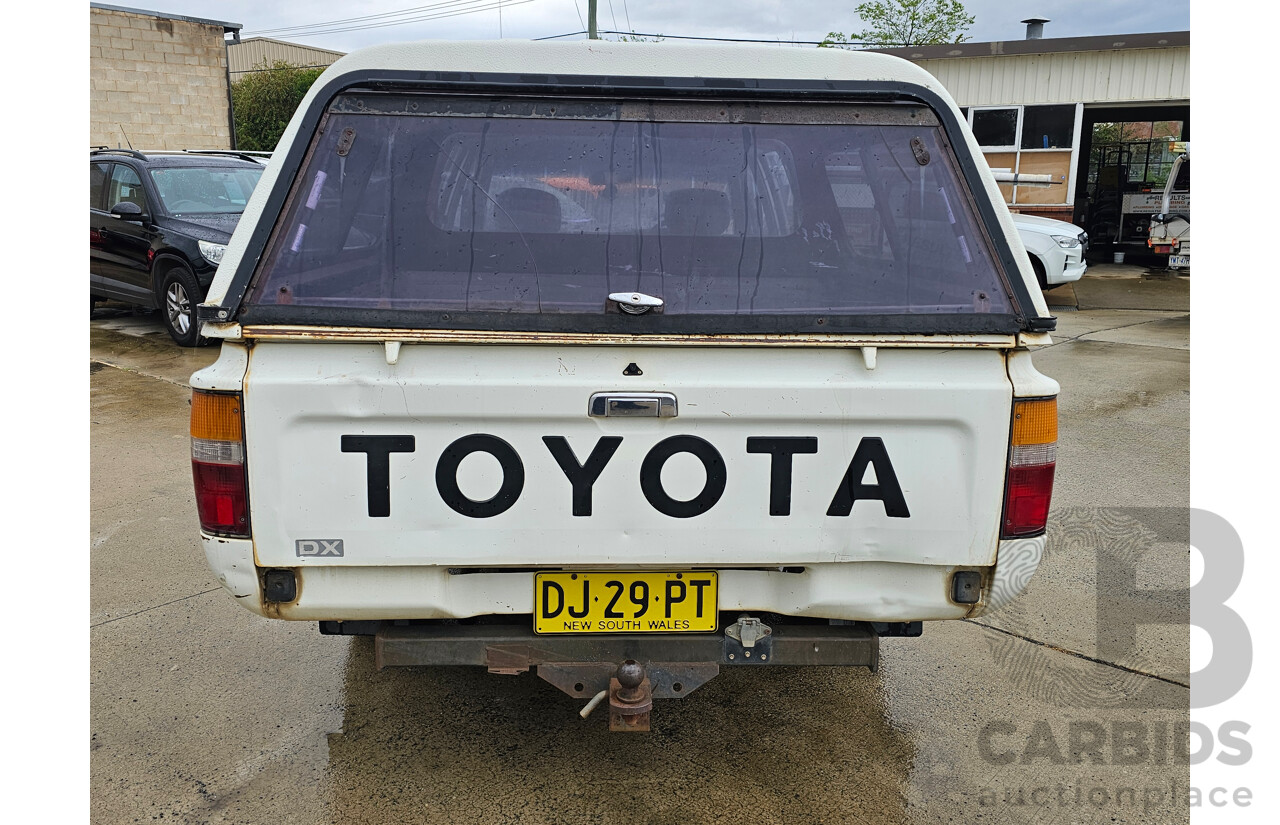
x=591 y=20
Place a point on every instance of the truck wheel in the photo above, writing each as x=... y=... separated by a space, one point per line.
x=179 y=295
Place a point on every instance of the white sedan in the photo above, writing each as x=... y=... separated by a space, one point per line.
x=1056 y=249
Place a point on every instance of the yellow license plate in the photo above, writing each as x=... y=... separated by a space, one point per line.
x=613 y=602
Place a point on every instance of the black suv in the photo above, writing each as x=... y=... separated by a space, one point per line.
x=158 y=225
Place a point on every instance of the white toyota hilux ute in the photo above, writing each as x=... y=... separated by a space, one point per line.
x=624 y=363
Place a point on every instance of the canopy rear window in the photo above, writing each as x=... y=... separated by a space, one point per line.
x=457 y=205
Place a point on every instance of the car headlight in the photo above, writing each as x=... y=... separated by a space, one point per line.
x=1066 y=241
x=212 y=252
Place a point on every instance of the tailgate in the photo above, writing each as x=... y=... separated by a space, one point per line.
x=456 y=455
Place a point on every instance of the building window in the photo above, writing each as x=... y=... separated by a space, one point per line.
x=996 y=128
x=1048 y=127
x=1029 y=140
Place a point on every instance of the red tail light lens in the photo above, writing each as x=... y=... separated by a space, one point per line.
x=1026 y=503
x=221 y=499
x=1032 y=460
x=217 y=463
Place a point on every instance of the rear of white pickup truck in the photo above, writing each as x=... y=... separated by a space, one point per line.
x=624 y=364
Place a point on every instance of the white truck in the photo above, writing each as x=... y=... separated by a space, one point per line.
x=1169 y=232
x=624 y=363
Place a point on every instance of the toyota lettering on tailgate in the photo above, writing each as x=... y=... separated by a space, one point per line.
x=582 y=474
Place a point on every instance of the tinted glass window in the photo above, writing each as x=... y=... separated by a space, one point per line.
x=1048 y=127
x=97 y=183
x=126 y=187
x=995 y=127
x=549 y=207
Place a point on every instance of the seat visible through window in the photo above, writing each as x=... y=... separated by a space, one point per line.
x=126 y=187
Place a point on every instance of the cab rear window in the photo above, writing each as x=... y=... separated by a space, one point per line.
x=437 y=204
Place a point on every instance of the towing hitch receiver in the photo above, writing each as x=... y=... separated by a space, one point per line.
x=630 y=698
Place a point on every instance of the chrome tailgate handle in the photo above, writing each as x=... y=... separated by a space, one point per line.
x=632 y=405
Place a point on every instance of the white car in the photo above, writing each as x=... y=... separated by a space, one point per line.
x=1056 y=249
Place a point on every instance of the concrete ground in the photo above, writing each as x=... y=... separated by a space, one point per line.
x=1048 y=711
x=1124 y=286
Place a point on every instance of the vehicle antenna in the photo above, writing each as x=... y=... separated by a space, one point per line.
x=126 y=137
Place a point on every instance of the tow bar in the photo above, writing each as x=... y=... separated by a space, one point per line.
x=654 y=666
x=630 y=698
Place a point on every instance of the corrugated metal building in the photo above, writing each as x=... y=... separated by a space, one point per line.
x=255 y=52
x=1033 y=105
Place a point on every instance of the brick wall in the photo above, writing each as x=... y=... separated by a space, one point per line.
x=164 y=81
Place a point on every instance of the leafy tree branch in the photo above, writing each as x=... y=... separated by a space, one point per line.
x=905 y=23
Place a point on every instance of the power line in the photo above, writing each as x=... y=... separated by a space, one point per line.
x=364 y=18
x=491 y=4
x=280 y=69
x=469 y=4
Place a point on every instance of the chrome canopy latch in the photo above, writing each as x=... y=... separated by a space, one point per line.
x=748 y=641
x=635 y=303
x=632 y=405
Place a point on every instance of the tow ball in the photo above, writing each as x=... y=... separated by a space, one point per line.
x=630 y=698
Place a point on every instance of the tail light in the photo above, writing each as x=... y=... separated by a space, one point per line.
x=1033 y=453
x=217 y=463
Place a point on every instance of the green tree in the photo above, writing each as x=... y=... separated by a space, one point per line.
x=264 y=100
x=906 y=23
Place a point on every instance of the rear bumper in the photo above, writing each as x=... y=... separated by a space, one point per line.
x=875 y=591
x=512 y=649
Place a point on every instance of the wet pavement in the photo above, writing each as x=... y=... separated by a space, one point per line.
x=1124 y=286
x=1056 y=709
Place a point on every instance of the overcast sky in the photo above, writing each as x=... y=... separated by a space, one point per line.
x=762 y=19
